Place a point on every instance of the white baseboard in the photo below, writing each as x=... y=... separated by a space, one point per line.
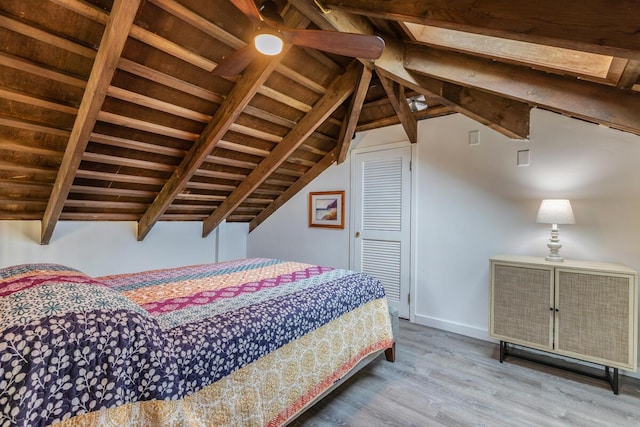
x=479 y=333
x=457 y=328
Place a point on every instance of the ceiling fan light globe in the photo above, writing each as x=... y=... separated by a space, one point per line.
x=268 y=44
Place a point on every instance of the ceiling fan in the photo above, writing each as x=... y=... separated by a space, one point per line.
x=270 y=36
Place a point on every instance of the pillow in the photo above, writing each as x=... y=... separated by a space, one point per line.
x=70 y=345
x=31 y=291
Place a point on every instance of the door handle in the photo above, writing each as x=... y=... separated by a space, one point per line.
x=357 y=234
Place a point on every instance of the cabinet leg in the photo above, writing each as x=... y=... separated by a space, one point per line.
x=503 y=350
x=612 y=379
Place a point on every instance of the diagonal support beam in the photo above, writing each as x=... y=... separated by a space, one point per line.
x=630 y=75
x=225 y=116
x=336 y=94
x=353 y=114
x=395 y=93
x=609 y=106
x=292 y=190
x=241 y=94
x=507 y=116
x=114 y=37
x=391 y=65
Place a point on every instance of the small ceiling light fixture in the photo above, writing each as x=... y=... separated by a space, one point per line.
x=268 y=42
x=554 y=212
x=417 y=103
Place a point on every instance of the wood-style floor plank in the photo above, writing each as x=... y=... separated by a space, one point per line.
x=444 y=379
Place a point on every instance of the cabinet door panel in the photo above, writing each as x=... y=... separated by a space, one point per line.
x=521 y=302
x=593 y=317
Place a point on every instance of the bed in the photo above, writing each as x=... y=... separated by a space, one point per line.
x=246 y=342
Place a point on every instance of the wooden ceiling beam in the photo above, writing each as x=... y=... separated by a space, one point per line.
x=15 y=62
x=390 y=64
x=119 y=177
x=606 y=105
x=111 y=191
x=172 y=82
x=20 y=170
x=507 y=116
x=395 y=93
x=431 y=112
x=156 y=104
x=33 y=127
x=336 y=94
x=126 y=162
x=173 y=49
x=244 y=90
x=186 y=87
x=350 y=122
x=208 y=27
x=114 y=37
x=594 y=26
x=630 y=74
x=26 y=98
x=130 y=144
x=130 y=122
x=43 y=36
x=29 y=148
x=293 y=189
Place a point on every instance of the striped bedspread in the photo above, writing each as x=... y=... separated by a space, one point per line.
x=247 y=342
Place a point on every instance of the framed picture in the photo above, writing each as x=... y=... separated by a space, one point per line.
x=326 y=209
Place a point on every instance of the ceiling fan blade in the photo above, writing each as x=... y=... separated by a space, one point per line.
x=249 y=8
x=347 y=44
x=236 y=62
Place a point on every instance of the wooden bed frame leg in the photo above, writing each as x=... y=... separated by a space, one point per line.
x=390 y=353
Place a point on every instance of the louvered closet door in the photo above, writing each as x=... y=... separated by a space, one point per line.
x=381 y=208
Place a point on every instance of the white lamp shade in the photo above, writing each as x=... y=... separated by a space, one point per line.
x=269 y=44
x=555 y=211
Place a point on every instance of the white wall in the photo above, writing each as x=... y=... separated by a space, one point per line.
x=231 y=240
x=475 y=202
x=102 y=248
x=286 y=233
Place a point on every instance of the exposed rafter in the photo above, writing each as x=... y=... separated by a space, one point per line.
x=171 y=142
x=396 y=95
x=589 y=101
x=507 y=116
x=336 y=94
x=630 y=74
x=115 y=34
x=353 y=114
x=224 y=117
x=244 y=90
x=391 y=66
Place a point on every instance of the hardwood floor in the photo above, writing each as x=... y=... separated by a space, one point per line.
x=445 y=379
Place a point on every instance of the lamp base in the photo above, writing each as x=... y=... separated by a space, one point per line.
x=554 y=245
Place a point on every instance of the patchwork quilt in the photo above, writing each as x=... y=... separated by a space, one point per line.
x=246 y=342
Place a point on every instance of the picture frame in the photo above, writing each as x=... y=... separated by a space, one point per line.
x=326 y=209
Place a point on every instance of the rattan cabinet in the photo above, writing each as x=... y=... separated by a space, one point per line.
x=583 y=310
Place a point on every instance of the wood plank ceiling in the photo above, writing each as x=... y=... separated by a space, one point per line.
x=109 y=110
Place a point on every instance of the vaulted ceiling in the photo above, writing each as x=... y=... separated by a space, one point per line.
x=109 y=109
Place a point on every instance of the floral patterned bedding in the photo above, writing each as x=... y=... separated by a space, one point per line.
x=247 y=342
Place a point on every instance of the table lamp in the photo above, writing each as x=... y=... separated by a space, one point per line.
x=554 y=212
